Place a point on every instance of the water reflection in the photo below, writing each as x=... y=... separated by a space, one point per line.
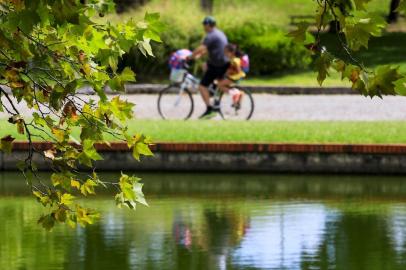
x=280 y=235
x=247 y=222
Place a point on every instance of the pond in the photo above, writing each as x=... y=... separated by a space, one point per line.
x=215 y=221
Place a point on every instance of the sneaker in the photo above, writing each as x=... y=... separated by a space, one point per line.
x=209 y=113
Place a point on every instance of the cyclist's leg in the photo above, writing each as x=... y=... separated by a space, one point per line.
x=224 y=84
x=208 y=78
x=204 y=92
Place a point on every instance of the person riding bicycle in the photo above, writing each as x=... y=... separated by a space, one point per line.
x=233 y=75
x=213 y=44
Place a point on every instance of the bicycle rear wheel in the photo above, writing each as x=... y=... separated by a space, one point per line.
x=174 y=104
x=244 y=110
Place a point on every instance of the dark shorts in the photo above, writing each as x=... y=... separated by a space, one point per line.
x=213 y=73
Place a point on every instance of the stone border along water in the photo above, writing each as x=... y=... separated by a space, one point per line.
x=233 y=157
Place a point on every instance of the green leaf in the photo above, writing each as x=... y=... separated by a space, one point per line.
x=131 y=192
x=141 y=148
x=6 y=143
x=139 y=195
x=400 y=86
x=85 y=216
x=361 y=27
x=127 y=75
x=360 y=4
x=60 y=214
x=323 y=64
x=38 y=120
x=42 y=198
x=88 y=187
x=145 y=47
x=67 y=199
x=121 y=109
x=47 y=222
x=90 y=151
x=75 y=184
x=127 y=189
x=299 y=35
x=113 y=62
x=152 y=35
x=383 y=83
x=66 y=11
x=61 y=179
x=59 y=134
x=25 y=20
x=118 y=82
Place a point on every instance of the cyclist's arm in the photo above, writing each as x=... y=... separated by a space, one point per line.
x=199 y=51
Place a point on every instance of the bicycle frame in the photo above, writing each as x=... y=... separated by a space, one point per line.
x=190 y=82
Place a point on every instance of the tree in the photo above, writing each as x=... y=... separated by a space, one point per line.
x=357 y=27
x=393 y=12
x=49 y=49
x=123 y=5
x=207 y=5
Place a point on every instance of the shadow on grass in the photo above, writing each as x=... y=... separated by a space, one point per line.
x=388 y=49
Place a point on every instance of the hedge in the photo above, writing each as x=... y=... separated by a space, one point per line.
x=269 y=49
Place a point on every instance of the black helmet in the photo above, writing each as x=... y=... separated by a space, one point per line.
x=209 y=20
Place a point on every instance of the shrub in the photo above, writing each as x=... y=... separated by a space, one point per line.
x=269 y=49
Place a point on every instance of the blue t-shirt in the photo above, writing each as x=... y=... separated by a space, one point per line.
x=216 y=41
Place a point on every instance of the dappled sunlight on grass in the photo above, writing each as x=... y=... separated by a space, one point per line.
x=301 y=79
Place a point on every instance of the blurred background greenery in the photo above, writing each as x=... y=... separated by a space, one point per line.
x=259 y=27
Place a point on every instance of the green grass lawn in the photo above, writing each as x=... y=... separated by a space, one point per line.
x=255 y=131
x=386 y=50
x=276 y=12
x=303 y=79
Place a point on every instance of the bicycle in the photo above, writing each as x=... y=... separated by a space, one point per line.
x=175 y=102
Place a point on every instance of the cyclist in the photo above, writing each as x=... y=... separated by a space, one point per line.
x=213 y=44
x=233 y=75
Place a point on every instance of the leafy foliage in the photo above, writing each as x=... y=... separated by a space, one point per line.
x=50 y=49
x=356 y=27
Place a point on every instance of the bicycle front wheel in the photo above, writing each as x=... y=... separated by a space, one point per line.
x=174 y=104
x=242 y=109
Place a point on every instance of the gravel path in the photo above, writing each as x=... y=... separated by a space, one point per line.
x=293 y=107
x=306 y=107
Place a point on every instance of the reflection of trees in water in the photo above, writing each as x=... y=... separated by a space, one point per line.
x=23 y=243
x=359 y=236
x=354 y=242
x=91 y=250
x=224 y=231
x=350 y=241
x=224 y=227
x=207 y=244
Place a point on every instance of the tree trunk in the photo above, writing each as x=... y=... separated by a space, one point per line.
x=393 y=14
x=207 y=5
x=124 y=5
